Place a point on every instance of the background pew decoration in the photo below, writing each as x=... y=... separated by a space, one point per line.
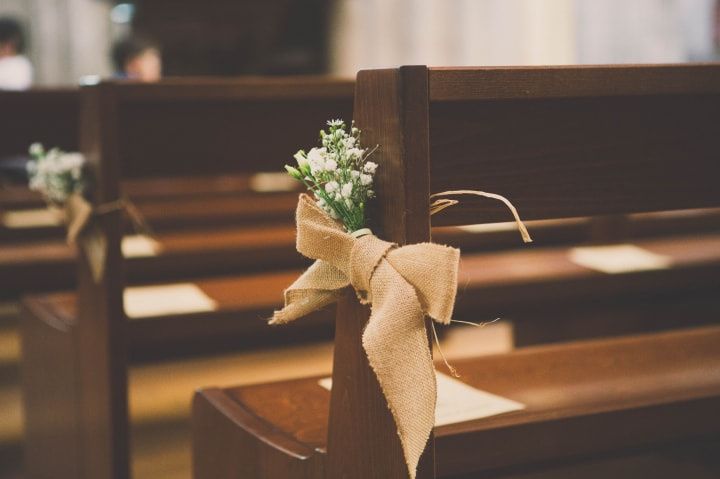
x=62 y=179
x=401 y=283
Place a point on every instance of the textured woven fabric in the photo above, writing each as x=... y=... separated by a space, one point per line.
x=77 y=215
x=402 y=284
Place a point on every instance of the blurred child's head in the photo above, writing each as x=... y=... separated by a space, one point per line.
x=137 y=58
x=12 y=39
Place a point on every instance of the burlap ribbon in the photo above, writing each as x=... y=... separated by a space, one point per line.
x=403 y=284
x=82 y=230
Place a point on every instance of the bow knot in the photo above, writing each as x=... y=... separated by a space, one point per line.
x=365 y=255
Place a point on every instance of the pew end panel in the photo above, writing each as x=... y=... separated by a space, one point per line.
x=50 y=397
x=254 y=447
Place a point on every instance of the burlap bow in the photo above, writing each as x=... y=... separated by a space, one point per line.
x=403 y=284
x=82 y=230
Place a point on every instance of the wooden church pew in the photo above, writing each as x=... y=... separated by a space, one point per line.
x=238 y=318
x=561 y=141
x=42 y=265
x=217 y=131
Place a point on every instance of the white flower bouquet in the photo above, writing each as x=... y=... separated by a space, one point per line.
x=338 y=174
x=56 y=174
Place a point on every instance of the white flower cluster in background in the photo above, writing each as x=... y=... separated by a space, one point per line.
x=338 y=174
x=55 y=174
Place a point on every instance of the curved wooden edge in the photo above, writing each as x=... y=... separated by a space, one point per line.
x=46 y=309
x=237 y=415
x=635 y=403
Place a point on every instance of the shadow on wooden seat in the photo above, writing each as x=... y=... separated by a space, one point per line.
x=582 y=399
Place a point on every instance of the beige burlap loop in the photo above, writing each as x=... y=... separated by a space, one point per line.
x=365 y=255
x=83 y=229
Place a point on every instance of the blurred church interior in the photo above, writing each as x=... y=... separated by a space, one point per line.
x=73 y=45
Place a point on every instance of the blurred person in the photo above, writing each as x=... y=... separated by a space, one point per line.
x=137 y=58
x=16 y=72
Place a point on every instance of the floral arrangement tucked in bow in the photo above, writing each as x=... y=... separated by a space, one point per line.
x=56 y=174
x=338 y=174
x=402 y=284
x=62 y=179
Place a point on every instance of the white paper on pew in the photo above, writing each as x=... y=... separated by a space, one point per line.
x=166 y=299
x=615 y=259
x=458 y=402
x=271 y=182
x=139 y=246
x=32 y=218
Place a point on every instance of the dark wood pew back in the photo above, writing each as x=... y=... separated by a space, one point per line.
x=558 y=142
x=49 y=116
x=206 y=127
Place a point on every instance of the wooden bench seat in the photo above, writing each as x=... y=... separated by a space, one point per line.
x=143 y=189
x=490 y=284
x=48 y=264
x=181 y=213
x=239 y=321
x=589 y=397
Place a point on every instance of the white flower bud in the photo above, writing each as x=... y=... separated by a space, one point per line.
x=36 y=149
x=347 y=190
x=331 y=186
x=365 y=179
x=354 y=174
x=330 y=165
x=300 y=158
x=370 y=167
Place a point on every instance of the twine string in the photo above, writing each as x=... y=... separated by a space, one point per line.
x=138 y=221
x=442 y=203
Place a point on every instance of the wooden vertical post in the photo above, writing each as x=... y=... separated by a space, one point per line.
x=391 y=109
x=101 y=329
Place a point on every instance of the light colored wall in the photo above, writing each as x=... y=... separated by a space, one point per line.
x=68 y=38
x=644 y=31
x=377 y=33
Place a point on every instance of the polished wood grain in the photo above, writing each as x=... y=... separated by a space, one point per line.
x=576 y=402
x=536 y=82
x=100 y=338
x=578 y=156
x=554 y=291
x=48 y=265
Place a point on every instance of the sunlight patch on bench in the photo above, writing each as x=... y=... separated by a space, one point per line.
x=166 y=299
x=616 y=259
x=458 y=402
x=32 y=218
x=140 y=246
x=272 y=182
